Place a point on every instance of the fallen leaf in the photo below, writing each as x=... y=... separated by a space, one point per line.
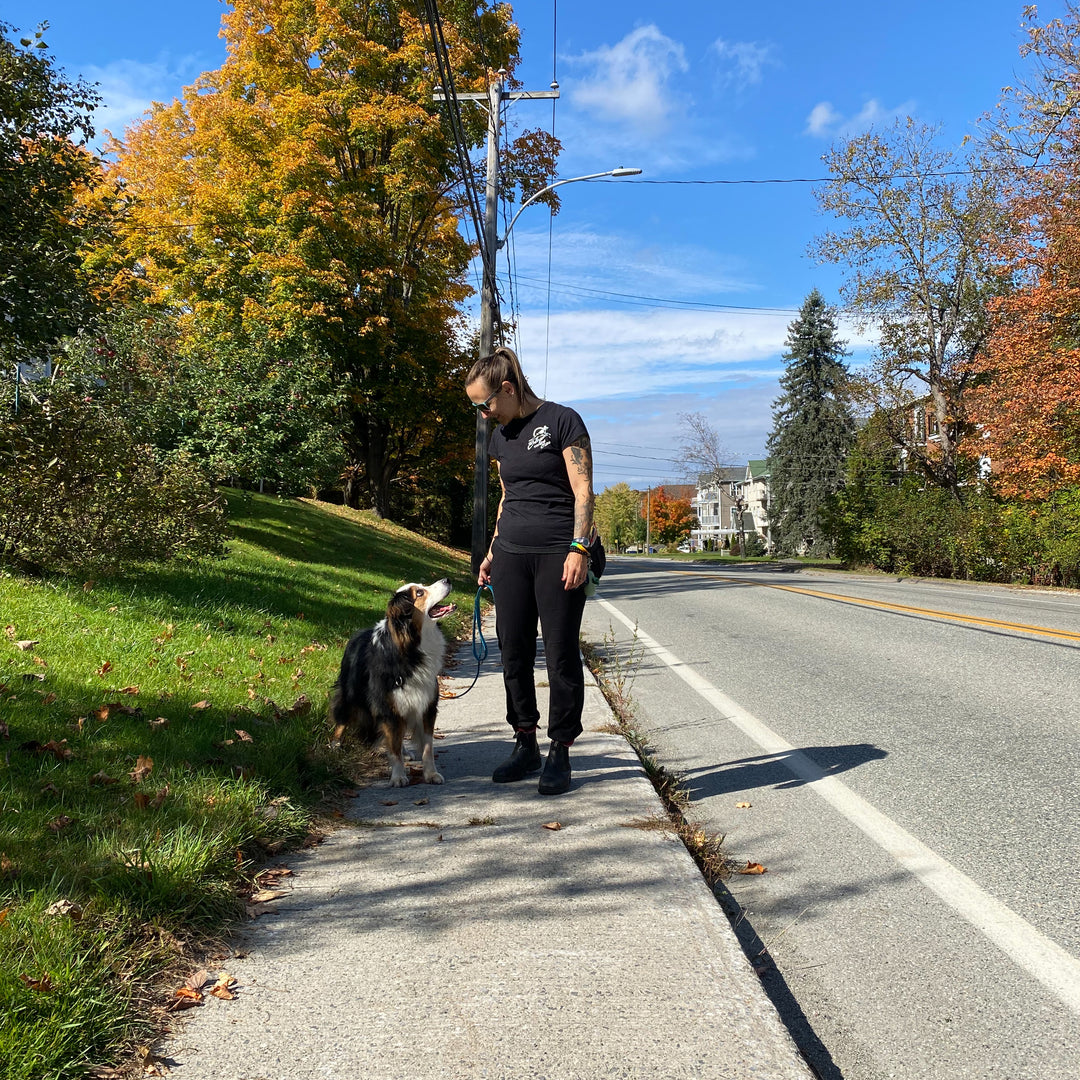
x=421 y=802
x=9 y=630
x=59 y=750
x=143 y=768
x=554 y=826
x=264 y=896
x=300 y=707
x=389 y=802
x=142 y=800
x=160 y=797
x=742 y=806
x=439 y=735
x=58 y=823
x=160 y=722
x=244 y=736
x=42 y=985
x=48 y=699
x=105 y=668
x=88 y=586
x=197 y=980
x=4 y=914
x=65 y=907
x=223 y=987
x=50 y=789
x=753 y=868
x=128 y=690
x=25 y=645
x=243 y=772
x=201 y=705
x=102 y=713
x=102 y=778
x=6 y=865
x=185 y=998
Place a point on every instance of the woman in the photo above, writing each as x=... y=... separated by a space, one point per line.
x=538 y=561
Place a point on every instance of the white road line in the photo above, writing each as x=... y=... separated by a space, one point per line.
x=1054 y=967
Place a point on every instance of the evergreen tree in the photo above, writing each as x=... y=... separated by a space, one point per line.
x=813 y=430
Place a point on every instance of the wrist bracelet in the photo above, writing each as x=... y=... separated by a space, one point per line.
x=580 y=547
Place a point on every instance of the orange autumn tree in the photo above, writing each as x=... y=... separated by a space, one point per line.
x=1028 y=404
x=306 y=192
x=670 y=519
x=1027 y=395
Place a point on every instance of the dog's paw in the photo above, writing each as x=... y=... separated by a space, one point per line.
x=433 y=778
x=399 y=779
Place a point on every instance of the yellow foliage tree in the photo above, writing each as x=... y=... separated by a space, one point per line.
x=306 y=190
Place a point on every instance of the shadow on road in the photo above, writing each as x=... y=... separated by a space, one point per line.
x=781 y=771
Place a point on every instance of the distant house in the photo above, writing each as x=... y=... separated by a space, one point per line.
x=716 y=504
x=755 y=492
x=923 y=432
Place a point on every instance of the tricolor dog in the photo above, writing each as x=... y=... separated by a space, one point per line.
x=389 y=680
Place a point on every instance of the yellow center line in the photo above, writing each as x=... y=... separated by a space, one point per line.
x=841 y=598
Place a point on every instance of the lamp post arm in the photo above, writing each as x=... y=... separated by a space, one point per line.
x=558 y=183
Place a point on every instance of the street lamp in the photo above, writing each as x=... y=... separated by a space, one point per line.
x=620 y=171
x=489 y=309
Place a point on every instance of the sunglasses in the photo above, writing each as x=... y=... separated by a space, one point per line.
x=485 y=405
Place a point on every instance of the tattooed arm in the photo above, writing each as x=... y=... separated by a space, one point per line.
x=578 y=457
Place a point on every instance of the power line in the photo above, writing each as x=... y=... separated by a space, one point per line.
x=639 y=300
x=870 y=178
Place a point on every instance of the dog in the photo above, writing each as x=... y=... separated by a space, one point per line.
x=389 y=680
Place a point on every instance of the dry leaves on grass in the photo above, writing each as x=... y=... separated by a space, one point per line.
x=144 y=766
x=65 y=907
x=42 y=986
x=26 y=645
x=105 y=668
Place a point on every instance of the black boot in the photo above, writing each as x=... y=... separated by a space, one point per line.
x=524 y=760
x=555 y=779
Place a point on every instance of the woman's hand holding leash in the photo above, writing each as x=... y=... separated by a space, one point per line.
x=484 y=577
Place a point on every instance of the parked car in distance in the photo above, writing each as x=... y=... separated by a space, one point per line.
x=684 y=548
x=633 y=549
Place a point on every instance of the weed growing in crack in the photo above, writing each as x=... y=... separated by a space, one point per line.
x=616 y=675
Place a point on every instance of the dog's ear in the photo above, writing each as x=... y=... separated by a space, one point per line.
x=399 y=620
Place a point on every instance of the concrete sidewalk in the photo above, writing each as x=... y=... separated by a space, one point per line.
x=451 y=935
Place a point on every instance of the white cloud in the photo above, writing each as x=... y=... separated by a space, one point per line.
x=128 y=87
x=826 y=122
x=744 y=61
x=628 y=83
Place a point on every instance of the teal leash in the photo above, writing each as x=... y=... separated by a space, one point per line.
x=479 y=655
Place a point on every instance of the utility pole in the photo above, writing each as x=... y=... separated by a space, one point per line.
x=490 y=318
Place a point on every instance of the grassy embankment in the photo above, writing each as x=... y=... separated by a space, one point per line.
x=161 y=734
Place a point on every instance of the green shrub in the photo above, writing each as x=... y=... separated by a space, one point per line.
x=78 y=492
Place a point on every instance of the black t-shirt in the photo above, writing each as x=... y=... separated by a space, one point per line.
x=538 y=509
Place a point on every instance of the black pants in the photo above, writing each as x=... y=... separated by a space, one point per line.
x=528 y=587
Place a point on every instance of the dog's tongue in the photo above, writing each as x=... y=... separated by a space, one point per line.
x=442 y=609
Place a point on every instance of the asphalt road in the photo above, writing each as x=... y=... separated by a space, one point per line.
x=911 y=758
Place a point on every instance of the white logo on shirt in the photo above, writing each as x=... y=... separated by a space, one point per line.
x=541 y=438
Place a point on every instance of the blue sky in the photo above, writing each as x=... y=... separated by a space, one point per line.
x=666 y=297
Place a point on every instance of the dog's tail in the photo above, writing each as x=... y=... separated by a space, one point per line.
x=351 y=716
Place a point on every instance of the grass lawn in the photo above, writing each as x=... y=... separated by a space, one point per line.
x=161 y=735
